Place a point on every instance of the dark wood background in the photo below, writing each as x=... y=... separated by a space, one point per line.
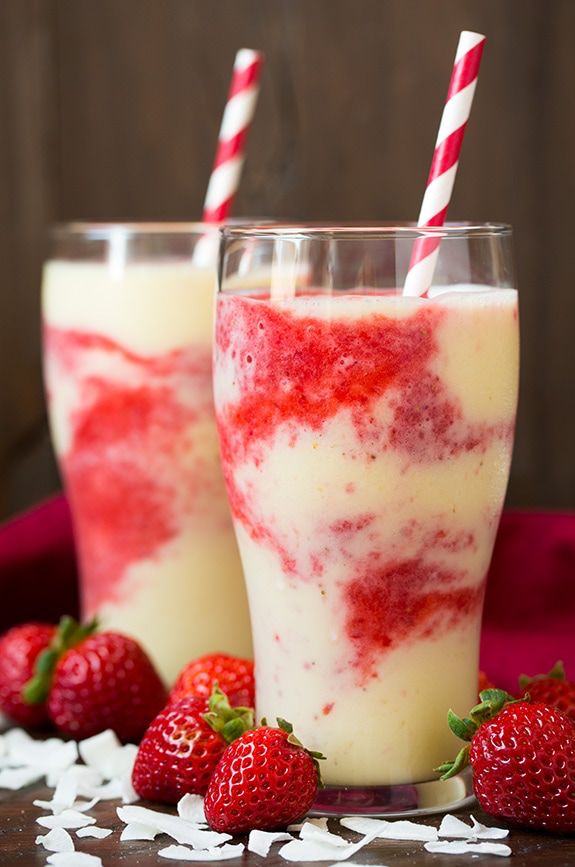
x=109 y=110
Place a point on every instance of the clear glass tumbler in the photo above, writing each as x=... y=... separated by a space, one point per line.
x=128 y=321
x=366 y=439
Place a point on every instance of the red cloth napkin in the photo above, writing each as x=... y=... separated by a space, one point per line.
x=529 y=611
x=38 y=575
x=529 y=615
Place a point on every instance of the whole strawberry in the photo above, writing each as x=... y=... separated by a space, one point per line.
x=265 y=779
x=183 y=744
x=553 y=689
x=19 y=650
x=233 y=675
x=523 y=760
x=94 y=681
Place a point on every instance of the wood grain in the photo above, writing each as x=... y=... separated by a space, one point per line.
x=19 y=830
x=110 y=111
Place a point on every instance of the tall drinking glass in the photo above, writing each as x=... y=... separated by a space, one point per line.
x=366 y=439
x=127 y=313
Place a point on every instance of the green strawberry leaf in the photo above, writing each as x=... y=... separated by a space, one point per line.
x=69 y=634
x=284 y=725
x=450 y=769
x=462 y=728
x=229 y=722
x=492 y=702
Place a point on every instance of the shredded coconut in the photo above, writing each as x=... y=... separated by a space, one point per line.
x=191 y=808
x=56 y=840
x=460 y=847
x=66 y=819
x=94 y=831
x=314 y=850
x=400 y=829
x=176 y=827
x=223 y=853
x=74 y=859
x=261 y=842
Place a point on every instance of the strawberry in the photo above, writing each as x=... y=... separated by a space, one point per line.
x=19 y=650
x=96 y=681
x=553 y=689
x=233 y=675
x=183 y=745
x=265 y=779
x=523 y=759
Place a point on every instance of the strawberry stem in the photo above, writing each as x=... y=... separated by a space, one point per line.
x=450 y=769
x=492 y=702
x=229 y=722
x=68 y=634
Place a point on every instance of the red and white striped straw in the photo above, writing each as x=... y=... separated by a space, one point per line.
x=445 y=160
x=230 y=153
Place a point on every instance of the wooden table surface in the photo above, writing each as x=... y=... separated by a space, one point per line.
x=18 y=830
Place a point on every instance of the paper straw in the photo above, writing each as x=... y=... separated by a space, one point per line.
x=445 y=160
x=230 y=153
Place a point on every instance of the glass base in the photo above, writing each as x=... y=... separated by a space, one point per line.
x=417 y=799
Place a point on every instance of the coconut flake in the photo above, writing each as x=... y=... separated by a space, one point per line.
x=60 y=756
x=401 y=829
x=85 y=806
x=487 y=832
x=137 y=831
x=261 y=842
x=65 y=798
x=66 y=790
x=314 y=850
x=56 y=840
x=74 y=781
x=48 y=756
x=191 y=808
x=222 y=853
x=47 y=805
x=74 y=859
x=86 y=779
x=127 y=792
x=66 y=819
x=321 y=835
x=123 y=761
x=452 y=826
x=320 y=822
x=79 y=806
x=94 y=831
x=100 y=752
x=104 y=753
x=460 y=847
x=109 y=791
x=19 y=778
x=176 y=827
x=16 y=742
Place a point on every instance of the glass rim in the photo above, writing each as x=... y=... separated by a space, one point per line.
x=367 y=231
x=100 y=231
